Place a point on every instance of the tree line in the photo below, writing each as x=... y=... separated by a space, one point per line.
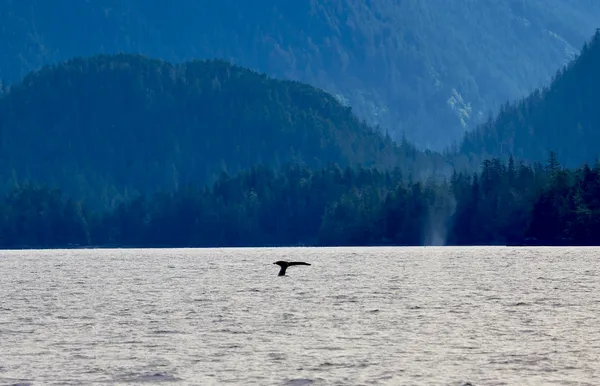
x=504 y=203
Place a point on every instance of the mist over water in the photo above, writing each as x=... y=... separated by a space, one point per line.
x=392 y=316
x=438 y=223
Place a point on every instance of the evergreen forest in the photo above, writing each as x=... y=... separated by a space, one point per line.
x=503 y=204
x=125 y=150
x=563 y=117
x=110 y=127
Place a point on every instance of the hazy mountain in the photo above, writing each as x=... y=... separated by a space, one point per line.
x=102 y=125
x=563 y=117
x=429 y=68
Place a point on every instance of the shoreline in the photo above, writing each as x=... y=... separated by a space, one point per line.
x=115 y=247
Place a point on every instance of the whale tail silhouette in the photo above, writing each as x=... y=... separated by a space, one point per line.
x=285 y=264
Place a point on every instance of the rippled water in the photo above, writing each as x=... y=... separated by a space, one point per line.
x=396 y=316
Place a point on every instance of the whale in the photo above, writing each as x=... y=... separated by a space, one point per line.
x=285 y=264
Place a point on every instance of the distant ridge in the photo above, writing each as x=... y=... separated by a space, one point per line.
x=429 y=69
x=119 y=124
x=562 y=117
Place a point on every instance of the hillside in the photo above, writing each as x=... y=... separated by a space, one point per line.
x=427 y=68
x=563 y=117
x=95 y=127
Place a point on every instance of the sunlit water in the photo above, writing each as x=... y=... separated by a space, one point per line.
x=356 y=316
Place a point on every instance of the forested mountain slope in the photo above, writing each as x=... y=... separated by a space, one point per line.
x=427 y=68
x=563 y=117
x=101 y=126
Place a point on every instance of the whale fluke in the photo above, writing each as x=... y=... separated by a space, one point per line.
x=285 y=264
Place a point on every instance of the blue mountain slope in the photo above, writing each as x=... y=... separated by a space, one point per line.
x=431 y=69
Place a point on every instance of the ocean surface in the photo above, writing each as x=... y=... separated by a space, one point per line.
x=356 y=316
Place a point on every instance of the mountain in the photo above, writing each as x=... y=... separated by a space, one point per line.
x=430 y=69
x=111 y=124
x=563 y=118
